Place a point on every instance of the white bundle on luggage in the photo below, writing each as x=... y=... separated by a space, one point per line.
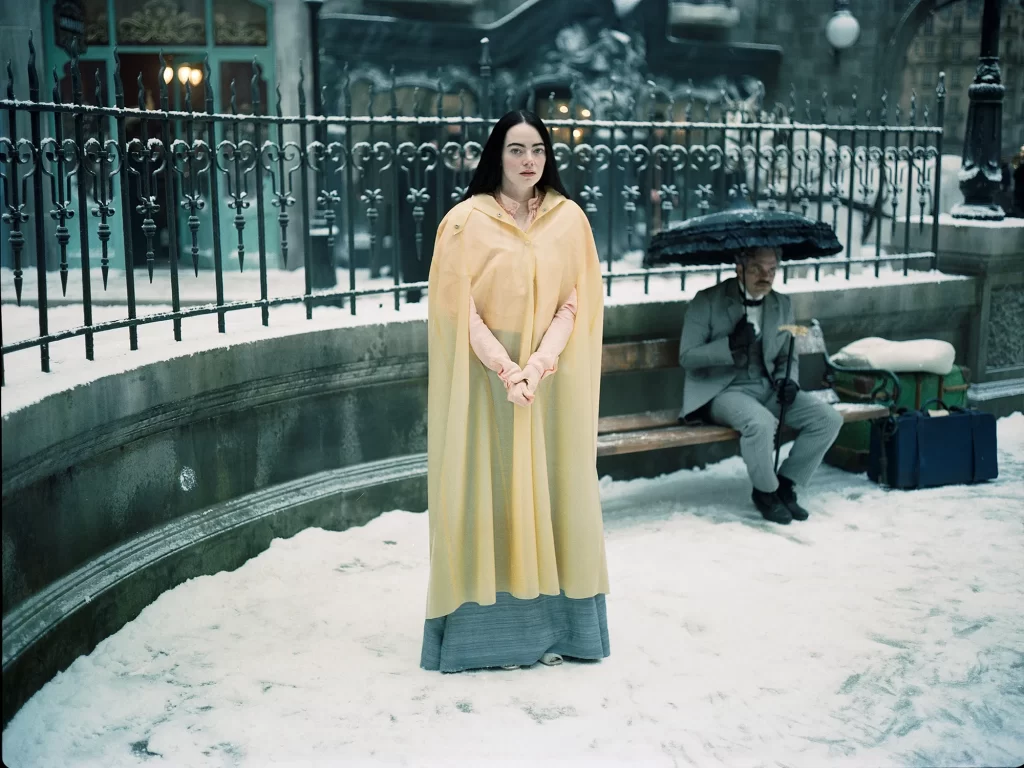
x=917 y=356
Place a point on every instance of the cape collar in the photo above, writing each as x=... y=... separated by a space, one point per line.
x=486 y=203
x=512 y=206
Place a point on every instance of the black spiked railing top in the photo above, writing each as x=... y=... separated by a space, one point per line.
x=33 y=77
x=254 y=85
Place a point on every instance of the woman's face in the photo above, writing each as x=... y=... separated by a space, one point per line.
x=522 y=160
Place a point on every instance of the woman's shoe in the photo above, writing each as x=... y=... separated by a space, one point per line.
x=510 y=666
x=550 y=659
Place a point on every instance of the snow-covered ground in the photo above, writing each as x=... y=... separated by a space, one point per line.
x=885 y=631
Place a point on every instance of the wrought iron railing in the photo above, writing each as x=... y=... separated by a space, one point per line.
x=371 y=187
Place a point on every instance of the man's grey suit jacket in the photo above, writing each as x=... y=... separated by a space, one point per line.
x=704 y=349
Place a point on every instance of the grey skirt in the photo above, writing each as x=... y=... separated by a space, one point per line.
x=514 y=631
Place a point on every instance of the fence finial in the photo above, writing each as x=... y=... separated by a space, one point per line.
x=162 y=81
x=33 y=76
x=76 y=74
x=209 y=84
x=254 y=86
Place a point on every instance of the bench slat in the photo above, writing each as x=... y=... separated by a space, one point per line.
x=631 y=422
x=640 y=355
x=615 y=443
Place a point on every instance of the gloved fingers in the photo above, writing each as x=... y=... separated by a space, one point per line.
x=508 y=372
x=516 y=377
x=518 y=395
x=532 y=374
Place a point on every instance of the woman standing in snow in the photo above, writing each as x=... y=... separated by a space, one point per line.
x=517 y=560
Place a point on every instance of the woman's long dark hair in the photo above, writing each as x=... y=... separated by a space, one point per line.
x=487 y=179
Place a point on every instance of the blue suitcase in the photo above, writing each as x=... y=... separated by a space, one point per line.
x=914 y=449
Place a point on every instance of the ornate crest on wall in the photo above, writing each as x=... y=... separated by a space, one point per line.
x=161 y=22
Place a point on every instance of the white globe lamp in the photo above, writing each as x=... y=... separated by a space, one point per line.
x=842 y=29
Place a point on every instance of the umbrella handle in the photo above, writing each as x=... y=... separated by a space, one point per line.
x=782 y=404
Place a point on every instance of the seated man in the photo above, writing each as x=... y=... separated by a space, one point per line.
x=735 y=356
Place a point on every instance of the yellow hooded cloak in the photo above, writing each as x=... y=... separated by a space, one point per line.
x=512 y=491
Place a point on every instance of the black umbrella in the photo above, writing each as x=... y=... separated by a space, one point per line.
x=718 y=238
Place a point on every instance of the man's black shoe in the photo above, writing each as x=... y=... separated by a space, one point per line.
x=787 y=494
x=771 y=507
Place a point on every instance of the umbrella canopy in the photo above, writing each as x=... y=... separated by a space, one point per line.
x=718 y=238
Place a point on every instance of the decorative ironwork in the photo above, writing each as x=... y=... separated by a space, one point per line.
x=160 y=22
x=191 y=160
x=236 y=159
x=375 y=184
x=328 y=163
x=18 y=157
x=278 y=159
x=61 y=166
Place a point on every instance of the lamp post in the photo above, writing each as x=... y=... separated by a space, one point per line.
x=980 y=174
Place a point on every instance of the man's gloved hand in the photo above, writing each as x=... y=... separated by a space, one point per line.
x=742 y=335
x=786 y=390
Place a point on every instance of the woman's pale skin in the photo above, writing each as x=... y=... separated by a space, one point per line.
x=522 y=164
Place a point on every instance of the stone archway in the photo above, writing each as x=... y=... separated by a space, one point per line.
x=899 y=42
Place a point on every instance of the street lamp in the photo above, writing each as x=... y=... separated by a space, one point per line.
x=980 y=174
x=842 y=29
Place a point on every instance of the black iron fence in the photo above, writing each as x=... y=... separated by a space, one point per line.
x=161 y=189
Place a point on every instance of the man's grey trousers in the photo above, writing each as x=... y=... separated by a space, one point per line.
x=752 y=409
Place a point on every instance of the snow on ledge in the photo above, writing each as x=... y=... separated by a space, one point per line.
x=27 y=384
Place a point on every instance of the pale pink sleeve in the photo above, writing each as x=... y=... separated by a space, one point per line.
x=556 y=337
x=490 y=351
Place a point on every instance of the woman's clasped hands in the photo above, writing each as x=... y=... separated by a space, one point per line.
x=521 y=383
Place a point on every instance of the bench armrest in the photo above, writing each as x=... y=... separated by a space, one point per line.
x=886 y=392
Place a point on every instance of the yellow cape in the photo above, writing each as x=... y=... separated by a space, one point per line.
x=513 y=492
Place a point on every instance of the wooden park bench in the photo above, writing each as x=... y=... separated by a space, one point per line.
x=654 y=430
